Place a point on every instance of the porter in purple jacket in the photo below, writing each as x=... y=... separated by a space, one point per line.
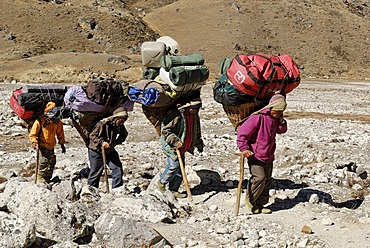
x=256 y=141
x=257 y=134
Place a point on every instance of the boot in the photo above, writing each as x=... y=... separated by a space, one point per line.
x=179 y=195
x=161 y=186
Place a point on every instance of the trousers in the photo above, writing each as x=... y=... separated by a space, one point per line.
x=260 y=182
x=97 y=168
x=46 y=165
x=172 y=174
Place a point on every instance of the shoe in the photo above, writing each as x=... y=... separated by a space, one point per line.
x=161 y=186
x=255 y=210
x=265 y=210
x=251 y=207
x=179 y=195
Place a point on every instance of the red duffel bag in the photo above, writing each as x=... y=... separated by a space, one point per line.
x=261 y=75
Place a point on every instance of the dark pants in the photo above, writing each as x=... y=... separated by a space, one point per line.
x=97 y=167
x=46 y=165
x=172 y=174
x=260 y=182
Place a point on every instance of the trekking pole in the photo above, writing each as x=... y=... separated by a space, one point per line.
x=241 y=177
x=37 y=162
x=190 y=197
x=105 y=170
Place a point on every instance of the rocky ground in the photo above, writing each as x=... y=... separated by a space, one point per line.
x=321 y=162
x=315 y=181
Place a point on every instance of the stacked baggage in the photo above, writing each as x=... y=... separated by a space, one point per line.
x=94 y=101
x=169 y=79
x=28 y=102
x=248 y=82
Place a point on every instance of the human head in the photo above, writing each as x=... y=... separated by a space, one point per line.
x=277 y=105
x=277 y=102
x=120 y=115
x=49 y=106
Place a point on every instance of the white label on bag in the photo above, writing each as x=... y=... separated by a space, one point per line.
x=239 y=77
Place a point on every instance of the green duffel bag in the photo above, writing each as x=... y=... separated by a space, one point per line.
x=170 y=61
x=182 y=75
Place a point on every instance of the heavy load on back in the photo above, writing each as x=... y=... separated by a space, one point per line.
x=29 y=101
x=171 y=79
x=94 y=101
x=248 y=82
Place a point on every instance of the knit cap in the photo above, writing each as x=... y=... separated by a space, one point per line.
x=49 y=106
x=277 y=102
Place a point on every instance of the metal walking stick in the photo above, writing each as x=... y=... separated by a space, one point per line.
x=190 y=197
x=37 y=162
x=105 y=169
x=241 y=178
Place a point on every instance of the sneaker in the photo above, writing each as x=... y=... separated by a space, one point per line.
x=251 y=207
x=265 y=210
x=255 y=210
x=161 y=186
x=179 y=195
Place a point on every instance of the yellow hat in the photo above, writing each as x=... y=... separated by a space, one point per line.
x=49 y=106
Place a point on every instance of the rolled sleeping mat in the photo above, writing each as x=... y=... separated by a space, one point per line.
x=176 y=90
x=150 y=73
x=182 y=75
x=169 y=61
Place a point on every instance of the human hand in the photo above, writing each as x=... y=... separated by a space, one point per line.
x=63 y=149
x=105 y=145
x=178 y=144
x=281 y=118
x=247 y=153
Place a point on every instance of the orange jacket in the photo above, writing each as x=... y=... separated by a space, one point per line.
x=47 y=137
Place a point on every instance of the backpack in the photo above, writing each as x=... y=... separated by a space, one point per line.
x=261 y=75
x=76 y=99
x=225 y=93
x=29 y=101
x=107 y=92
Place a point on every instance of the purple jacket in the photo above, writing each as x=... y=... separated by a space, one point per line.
x=258 y=133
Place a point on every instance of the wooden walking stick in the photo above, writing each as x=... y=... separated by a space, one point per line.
x=37 y=162
x=190 y=197
x=105 y=169
x=241 y=178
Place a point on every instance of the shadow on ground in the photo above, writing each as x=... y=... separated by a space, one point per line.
x=304 y=195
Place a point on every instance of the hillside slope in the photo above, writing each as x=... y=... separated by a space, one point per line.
x=69 y=41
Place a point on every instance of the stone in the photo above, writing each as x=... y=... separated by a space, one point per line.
x=306 y=229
